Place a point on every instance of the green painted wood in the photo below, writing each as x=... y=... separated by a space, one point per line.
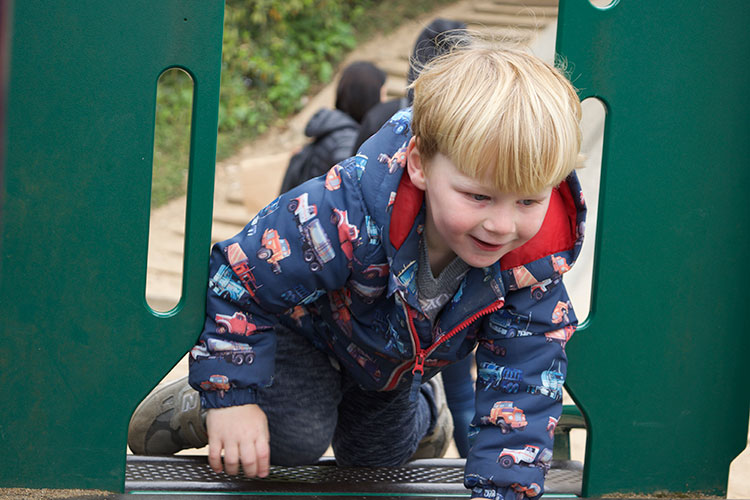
x=660 y=369
x=79 y=347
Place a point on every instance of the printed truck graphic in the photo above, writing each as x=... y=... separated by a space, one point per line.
x=400 y=122
x=552 y=384
x=225 y=287
x=274 y=249
x=394 y=163
x=231 y=352
x=529 y=454
x=559 y=264
x=237 y=324
x=348 y=233
x=302 y=211
x=316 y=247
x=333 y=178
x=510 y=325
x=506 y=416
x=238 y=260
x=501 y=378
x=560 y=313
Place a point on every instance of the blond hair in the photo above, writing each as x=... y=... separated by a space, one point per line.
x=500 y=115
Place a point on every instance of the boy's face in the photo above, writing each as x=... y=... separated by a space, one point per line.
x=470 y=218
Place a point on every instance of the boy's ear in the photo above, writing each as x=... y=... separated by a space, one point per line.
x=414 y=165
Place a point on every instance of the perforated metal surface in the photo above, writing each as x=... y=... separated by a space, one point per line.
x=421 y=476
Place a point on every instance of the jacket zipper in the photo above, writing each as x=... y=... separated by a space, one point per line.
x=421 y=355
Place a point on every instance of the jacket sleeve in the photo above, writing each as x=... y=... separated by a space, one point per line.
x=521 y=367
x=290 y=254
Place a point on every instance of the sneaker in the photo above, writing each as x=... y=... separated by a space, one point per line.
x=170 y=419
x=436 y=443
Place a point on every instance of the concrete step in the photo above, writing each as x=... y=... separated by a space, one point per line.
x=395 y=67
x=395 y=87
x=528 y=3
x=515 y=9
x=500 y=20
x=511 y=35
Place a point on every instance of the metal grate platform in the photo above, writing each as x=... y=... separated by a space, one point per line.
x=430 y=477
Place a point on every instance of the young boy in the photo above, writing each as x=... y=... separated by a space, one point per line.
x=329 y=312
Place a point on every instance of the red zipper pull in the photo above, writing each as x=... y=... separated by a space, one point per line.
x=417 y=372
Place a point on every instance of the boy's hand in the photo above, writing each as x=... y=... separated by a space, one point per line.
x=242 y=432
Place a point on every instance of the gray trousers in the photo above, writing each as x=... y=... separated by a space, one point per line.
x=312 y=405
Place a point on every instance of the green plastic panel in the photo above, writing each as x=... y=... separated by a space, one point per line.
x=79 y=347
x=661 y=368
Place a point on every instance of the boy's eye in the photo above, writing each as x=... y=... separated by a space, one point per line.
x=480 y=197
x=528 y=203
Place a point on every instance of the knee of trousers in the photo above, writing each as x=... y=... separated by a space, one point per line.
x=305 y=452
x=391 y=456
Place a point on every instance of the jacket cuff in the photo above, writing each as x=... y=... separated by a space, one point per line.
x=232 y=397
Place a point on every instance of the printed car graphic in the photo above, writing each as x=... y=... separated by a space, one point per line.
x=274 y=249
x=218 y=383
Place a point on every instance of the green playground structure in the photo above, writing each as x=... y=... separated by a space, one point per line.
x=657 y=369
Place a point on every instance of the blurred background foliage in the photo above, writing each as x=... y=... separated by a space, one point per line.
x=275 y=52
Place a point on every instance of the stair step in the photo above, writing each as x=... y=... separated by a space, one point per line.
x=515 y=9
x=528 y=3
x=510 y=35
x=394 y=67
x=232 y=213
x=504 y=20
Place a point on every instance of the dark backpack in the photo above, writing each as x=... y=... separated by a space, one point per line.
x=301 y=168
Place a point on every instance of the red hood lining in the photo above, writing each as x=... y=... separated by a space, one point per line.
x=556 y=234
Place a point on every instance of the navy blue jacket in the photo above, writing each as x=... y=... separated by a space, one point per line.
x=336 y=258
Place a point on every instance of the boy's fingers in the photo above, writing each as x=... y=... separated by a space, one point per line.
x=232 y=460
x=214 y=456
x=262 y=454
x=249 y=463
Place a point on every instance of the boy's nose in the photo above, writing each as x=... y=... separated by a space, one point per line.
x=500 y=221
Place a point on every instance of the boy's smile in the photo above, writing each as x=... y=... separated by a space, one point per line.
x=470 y=218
